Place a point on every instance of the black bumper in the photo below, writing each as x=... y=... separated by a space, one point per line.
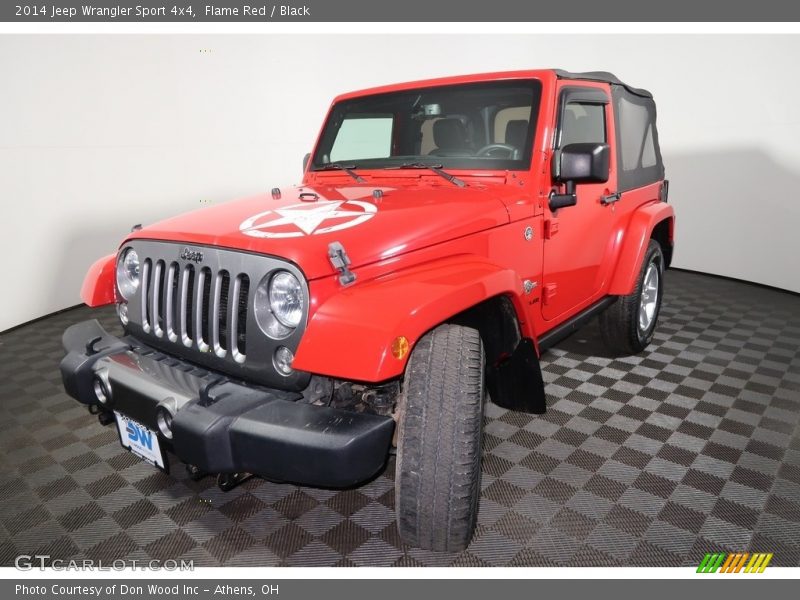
x=222 y=426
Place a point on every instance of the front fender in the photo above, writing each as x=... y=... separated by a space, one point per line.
x=350 y=335
x=98 y=285
x=634 y=245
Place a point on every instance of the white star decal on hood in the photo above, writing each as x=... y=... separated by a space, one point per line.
x=305 y=219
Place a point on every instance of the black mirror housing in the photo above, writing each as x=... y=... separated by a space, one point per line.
x=580 y=163
x=585 y=163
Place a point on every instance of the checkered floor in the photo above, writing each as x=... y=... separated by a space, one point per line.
x=654 y=460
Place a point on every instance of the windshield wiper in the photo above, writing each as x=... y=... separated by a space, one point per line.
x=436 y=169
x=339 y=166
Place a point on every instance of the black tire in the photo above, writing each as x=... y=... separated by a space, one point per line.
x=437 y=484
x=619 y=323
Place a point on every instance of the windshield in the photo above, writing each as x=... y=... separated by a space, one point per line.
x=469 y=126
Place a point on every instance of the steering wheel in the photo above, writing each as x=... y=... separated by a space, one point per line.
x=490 y=149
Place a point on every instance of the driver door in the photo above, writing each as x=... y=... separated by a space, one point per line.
x=576 y=237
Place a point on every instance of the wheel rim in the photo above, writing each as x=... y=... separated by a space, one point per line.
x=648 y=302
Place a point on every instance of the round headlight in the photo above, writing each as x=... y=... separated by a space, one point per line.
x=286 y=299
x=128 y=273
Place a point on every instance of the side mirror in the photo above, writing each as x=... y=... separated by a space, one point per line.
x=306 y=158
x=580 y=163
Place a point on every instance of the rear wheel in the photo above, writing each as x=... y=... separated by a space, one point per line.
x=628 y=325
x=439 y=448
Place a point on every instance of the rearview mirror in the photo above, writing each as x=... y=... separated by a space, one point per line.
x=427 y=111
x=306 y=158
x=580 y=163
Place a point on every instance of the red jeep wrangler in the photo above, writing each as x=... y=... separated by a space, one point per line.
x=445 y=234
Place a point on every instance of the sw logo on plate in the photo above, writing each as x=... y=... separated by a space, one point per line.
x=139 y=435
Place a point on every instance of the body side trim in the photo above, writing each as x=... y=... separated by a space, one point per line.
x=568 y=327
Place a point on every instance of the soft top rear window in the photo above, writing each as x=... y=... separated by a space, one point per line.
x=487 y=125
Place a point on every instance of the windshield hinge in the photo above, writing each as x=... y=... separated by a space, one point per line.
x=340 y=261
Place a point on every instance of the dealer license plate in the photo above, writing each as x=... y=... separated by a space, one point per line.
x=140 y=440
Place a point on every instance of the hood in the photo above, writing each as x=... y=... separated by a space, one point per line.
x=300 y=224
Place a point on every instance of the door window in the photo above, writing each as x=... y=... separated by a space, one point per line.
x=583 y=123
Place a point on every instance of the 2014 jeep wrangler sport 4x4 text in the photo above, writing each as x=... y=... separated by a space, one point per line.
x=445 y=233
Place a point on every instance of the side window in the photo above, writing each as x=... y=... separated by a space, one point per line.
x=363 y=137
x=638 y=153
x=637 y=139
x=583 y=123
x=649 y=151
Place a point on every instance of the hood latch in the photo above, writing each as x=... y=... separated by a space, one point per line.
x=340 y=261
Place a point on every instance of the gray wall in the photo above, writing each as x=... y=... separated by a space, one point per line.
x=100 y=132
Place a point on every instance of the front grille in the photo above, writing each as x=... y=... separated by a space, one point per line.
x=196 y=306
x=202 y=310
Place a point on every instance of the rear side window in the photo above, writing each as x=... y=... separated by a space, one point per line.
x=636 y=129
x=649 y=158
x=638 y=153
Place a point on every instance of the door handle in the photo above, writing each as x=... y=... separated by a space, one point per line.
x=610 y=198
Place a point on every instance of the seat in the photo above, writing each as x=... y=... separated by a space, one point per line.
x=516 y=134
x=451 y=138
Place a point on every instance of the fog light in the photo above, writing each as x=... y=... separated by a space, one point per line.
x=283 y=360
x=122 y=313
x=101 y=390
x=164 y=421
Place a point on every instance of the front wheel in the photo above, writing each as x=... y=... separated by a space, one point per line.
x=628 y=325
x=438 y=477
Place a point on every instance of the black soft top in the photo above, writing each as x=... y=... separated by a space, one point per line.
x=603 y=76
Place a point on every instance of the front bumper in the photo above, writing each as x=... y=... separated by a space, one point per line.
x=223 y=426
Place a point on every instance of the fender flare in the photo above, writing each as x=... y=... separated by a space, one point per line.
x=98 y=285
x=350 y=335
x=635 y=239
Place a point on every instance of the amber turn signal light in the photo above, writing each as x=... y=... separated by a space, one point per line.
x=399 y=347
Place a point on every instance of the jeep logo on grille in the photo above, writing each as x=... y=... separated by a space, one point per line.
x=192 y=255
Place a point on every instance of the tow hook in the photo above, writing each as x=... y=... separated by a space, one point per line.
x=105 y=417
x=195 y=473
x=227 y=481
